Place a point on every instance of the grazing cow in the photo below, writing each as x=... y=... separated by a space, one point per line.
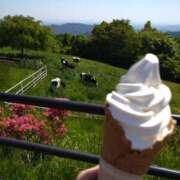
x=56 y=83
x=70 y=65
x=88 y=78
x=66 y=64
x=76 y=59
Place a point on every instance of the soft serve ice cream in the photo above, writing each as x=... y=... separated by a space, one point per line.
x=141 y=104
x=137 y=122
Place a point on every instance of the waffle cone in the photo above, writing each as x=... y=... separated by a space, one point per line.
x=108 y=172
x=117 y=151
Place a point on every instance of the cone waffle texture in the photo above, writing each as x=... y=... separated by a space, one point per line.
x=108 y=172
x=117 y=151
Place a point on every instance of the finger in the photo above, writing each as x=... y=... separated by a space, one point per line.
x=89 y=174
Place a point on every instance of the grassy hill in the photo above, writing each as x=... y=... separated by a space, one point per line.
x=11 y=73
x=107 y=77
x=84 y=131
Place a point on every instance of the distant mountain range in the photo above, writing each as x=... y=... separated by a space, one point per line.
x=74 y=28
x=86 y=29
x=175 y=34
x=164 y=28
x=172 y=28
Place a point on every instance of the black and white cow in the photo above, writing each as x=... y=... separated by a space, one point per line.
x=63 y=62
x=66 y=64
x=88 y=78
x=76 y=59
x=56 y=83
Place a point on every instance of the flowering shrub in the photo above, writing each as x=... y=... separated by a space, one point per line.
x=61 y=130
x=18 y=109
x=25 y=127
x=23 y=122
x=56 y=117
x=53 y=113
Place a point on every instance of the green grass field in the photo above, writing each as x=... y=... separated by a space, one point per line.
x=107 y=77
x=84 y=131
x=11 y=73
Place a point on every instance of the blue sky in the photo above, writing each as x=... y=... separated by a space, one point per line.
x=94 y=11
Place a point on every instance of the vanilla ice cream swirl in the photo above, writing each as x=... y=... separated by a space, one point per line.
x=141 y=104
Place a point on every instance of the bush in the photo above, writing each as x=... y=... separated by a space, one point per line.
x=170 y=69
x=22 y=122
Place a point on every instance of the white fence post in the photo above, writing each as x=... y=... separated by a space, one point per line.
x=29 y=81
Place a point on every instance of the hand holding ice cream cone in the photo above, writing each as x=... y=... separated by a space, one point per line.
x=138 y=122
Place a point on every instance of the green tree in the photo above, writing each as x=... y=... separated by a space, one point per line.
x=165 y=47
x=157 y=42
x=148 y=27
x=170 y=69
x=116 y=42
x=81 y=46
x=24 y=32
x=65 y=41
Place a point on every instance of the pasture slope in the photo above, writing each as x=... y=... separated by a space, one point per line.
x=84 y=131
x=107 y=77
x=11 y=73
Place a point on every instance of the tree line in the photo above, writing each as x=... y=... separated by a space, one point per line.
x=116 y=43
x=21 y=33
x=119 y=44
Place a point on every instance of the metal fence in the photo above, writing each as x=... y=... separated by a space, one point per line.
x=73 y=106
x=29 y=82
